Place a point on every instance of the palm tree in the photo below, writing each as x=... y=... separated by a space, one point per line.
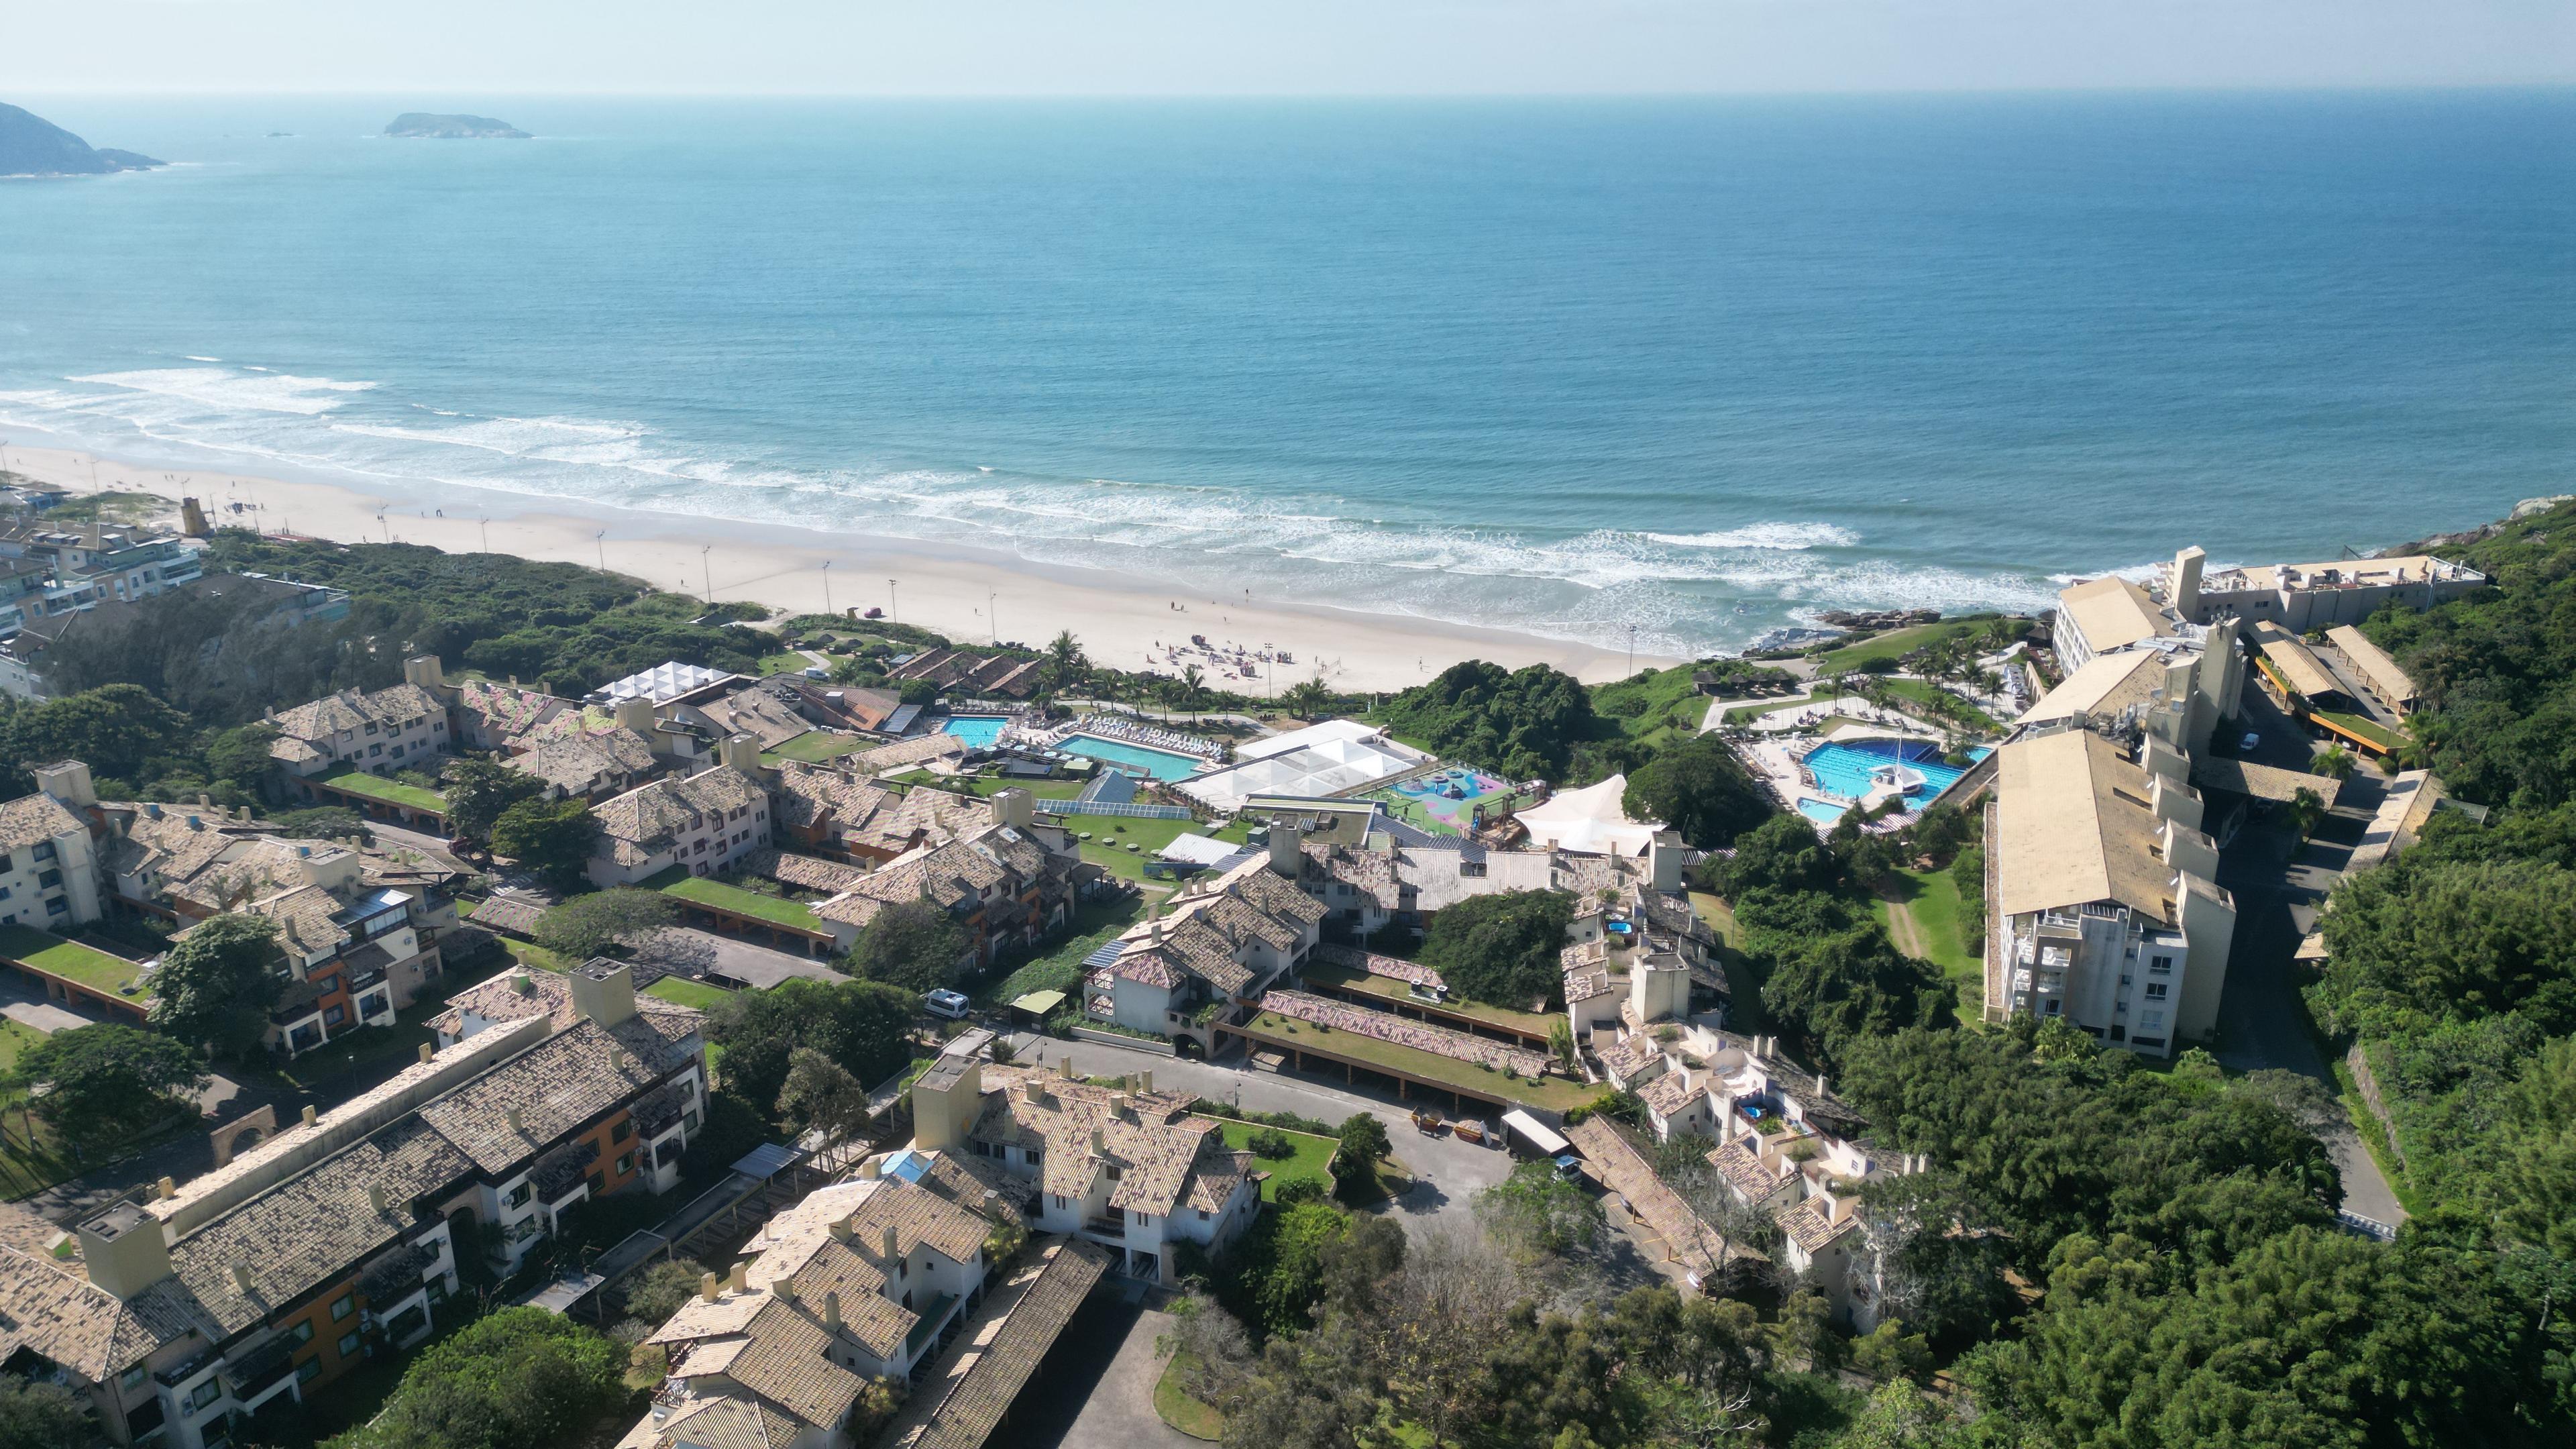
x=1066 y=662
x=1305 y=699
x=1193 y=686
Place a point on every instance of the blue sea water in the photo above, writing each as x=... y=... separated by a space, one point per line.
x=1699 y=367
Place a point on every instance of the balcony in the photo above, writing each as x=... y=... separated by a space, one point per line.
x=260 y=1369
x=1106 y=1227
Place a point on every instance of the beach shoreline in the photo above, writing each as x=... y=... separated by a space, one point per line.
x=1123 y=622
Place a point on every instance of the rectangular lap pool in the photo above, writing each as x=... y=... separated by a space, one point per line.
x=1135 y=759
x=979 y=731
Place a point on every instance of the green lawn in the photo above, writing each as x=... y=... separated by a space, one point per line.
x=2362 y=727
x=1747 y=713
x=1931 y=899
x=15 y=1038
x=1940 y=703
x=392 y=792
x=1554 y=1093
x=1174 y=1405
x=681 y=990
x=1393 y=990
x=1897 y=643
x=790 y=662
x=1313 y=1158
x=719 y=896
x=1720 y=918
x=815 y=747
x=1111 y=835
x=69 y=960
x=536 y=958
x=1656 y=707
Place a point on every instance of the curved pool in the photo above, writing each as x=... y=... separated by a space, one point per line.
x=1847 y=768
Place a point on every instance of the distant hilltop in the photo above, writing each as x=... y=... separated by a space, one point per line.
x=30 y=145
x=454 y=128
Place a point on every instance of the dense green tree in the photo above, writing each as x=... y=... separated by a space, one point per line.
x=1363 y=1141
x=1782 y=853
x=477 y=791
x=215 y=984
x=2459 y=938
x=44 y=1416
x=521 y=1376
x=107 y=1081
x=552 y=838
x=119 y=730
x=1700 y=789
x=220 y=652
x=2531 y=1188
x=820 y=1095
x=591 y=925
x=1524 y=724
x=912 y=944
x=860 y=1026
x=1855 y=983
x=1504 y=948
x=326 y=822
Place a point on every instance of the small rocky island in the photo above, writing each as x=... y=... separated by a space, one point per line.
x=30 y=145
x=454 y=128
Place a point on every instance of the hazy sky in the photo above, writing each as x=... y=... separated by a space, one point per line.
x=1196 y=47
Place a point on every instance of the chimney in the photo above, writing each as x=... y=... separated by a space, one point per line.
x=1145 y=1082
x=1287 y=849
x=707 y=1287
x=1820 y=1086
x=68 y=783
x=1118 y=1105
x=518 y=1120
x=310 y=1116
x=872 y=1170
x=1098 y=1142
x=522 y=984
x=886 y=1248
x=376 y=1197
x=785 y=1288
x=424 y=671
x=1030 y=1092
x=426 y=1052
x=604 y=991
x=1016 y=807
x=840 y=1229
x=165 y=1189
x=205 y=801
x=636 y=714
x=832 y=1311
x=740 y=1278
x=1066 y=1063
x=124 y=1250
x=741 y=752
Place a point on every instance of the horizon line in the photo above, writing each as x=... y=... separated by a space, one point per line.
x=2179 y=88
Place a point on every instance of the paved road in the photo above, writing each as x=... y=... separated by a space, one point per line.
x=1447 y=1173
x=2261 y=1020
x=1095 y=1389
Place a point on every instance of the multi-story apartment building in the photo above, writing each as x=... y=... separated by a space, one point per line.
x=1010 y=883
x=1217 y=943
x=2104 y=907
x=332 y=1242
x=1131 y=1171
x=2309 y=596
x=706 y=822
x=399 y=727
x=92 y=565
x=50 y=878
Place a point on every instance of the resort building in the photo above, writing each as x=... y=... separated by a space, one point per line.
x=50 y=879
x=2293 y=669
x=2311 y=596
x=836 y=811
x=998 y=676
x=2123 y=649
x=591 y=765
x=1007 y=885
x=2103 y=906
x=2391 y=686
x=666 y=685
x=1638 y=955
x=1337 y=757
x=94 y=566
x=767 y=711
x=352 y=956
x=333 y=1241
x=1218 y=943
x=396 y=728
x=705 y=821
x=1134 y=1173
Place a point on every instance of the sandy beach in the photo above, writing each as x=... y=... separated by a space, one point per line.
x=972 y=596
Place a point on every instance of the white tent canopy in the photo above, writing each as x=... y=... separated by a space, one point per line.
x=1590 y=821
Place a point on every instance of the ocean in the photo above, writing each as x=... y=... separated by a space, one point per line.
x=1696 y=368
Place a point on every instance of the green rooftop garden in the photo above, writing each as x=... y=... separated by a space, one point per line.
x=355 y=781
x=1344 y=978
x=752 y=905
x=814 y=747
x=1553 y=1093
x=83 y=965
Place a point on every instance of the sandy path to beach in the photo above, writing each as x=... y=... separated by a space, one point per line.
x=1122 y=621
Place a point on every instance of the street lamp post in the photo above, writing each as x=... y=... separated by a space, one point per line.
x=487 y=535
x=892 y=616
x=601 y=539
x=707 y=565
x=827 y=586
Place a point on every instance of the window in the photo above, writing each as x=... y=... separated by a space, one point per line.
x=132 y=1378
x=57 y=906
x=342 y=1307
x=371 y=727
x=49 y=880
x=348 y=1344
x=302 y=1332
x=309 y=1370
x=373 y=750
x=204 y=1394
x=625 y=1164
x=1035 y=1156
x=1113 y=1172
x=2054 y=1006
x=596 y=1184
x=41 y=850
x=517 y=1197
x=1202 y=1214
x=689 y=1121
x=2151 y=1021
x=2160 y=966
x=333 y=1015
x=624 y=1129
x=2156 y=990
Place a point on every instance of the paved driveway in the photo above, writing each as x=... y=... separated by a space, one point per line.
x=1095 y=1389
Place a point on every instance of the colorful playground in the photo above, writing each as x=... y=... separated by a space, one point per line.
x=1446 y=800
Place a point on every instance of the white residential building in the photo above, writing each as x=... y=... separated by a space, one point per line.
x=396 y=728
x=706 y=822
x=49 y=876
x=2104 y=907
x=1221 y=942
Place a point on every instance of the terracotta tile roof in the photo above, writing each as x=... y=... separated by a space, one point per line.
x=555 y=1086
x=1809 y=1224
x=1156 y=1146
x=584 y=763
x=1632 y=1056
x=649 y=819
x=788 y=1363
x=958 y=1407
x=49 y=1309
x=758 y=712
x=1216 y=1179
x=514 y=914
x=310 y=1230
x=725 y=1423
x=1740 y=1163
x=503 y=710
x=397 y=705
x=820 y=794
x=809 y=872
x=30 y=819
x=548 y=993
x=919 y=750
x=1671 y=1092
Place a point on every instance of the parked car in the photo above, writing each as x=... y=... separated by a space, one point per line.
x=950 y=1004
x=2250 y=743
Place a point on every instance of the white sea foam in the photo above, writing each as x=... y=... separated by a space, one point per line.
x=218 y=391
x=1766 y=535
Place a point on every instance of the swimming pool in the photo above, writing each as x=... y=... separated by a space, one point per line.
x=979 y=731
x=1845 y=769
x=1159 y=764
x=1821 y=812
